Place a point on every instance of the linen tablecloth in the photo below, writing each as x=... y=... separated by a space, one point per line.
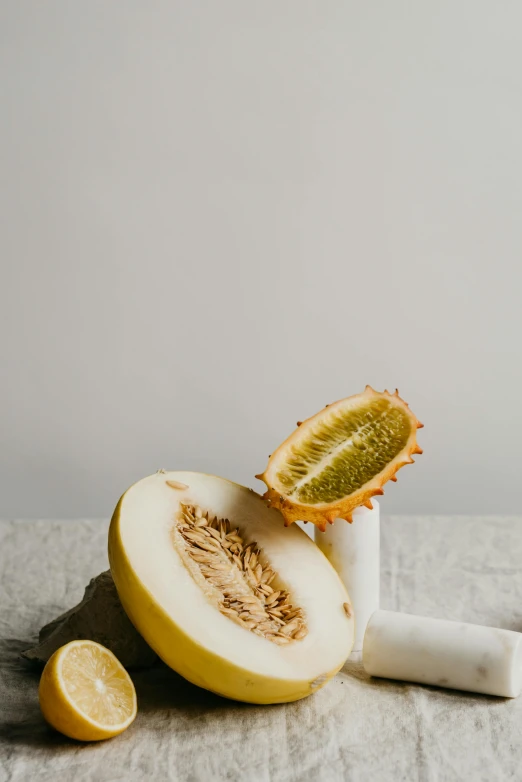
x=356 y=728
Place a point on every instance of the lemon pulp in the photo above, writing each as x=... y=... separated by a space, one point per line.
x=98 y=685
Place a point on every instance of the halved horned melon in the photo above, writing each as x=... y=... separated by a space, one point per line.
x=341 y=457
x=224 y=594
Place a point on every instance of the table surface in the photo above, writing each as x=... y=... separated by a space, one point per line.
x=356 y=728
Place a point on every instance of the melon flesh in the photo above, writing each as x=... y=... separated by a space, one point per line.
x=180 y=618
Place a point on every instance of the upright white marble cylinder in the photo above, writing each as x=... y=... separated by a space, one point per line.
x=443 y=653
x=354 y=551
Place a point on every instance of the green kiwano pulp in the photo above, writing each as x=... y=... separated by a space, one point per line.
x=345 y=452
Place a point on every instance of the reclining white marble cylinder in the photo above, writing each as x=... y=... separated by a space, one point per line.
x=446 y=654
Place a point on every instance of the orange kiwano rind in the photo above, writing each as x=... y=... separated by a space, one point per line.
x=341 y=457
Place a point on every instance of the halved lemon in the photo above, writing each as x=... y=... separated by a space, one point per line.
x=341 y=457
x=86 y=693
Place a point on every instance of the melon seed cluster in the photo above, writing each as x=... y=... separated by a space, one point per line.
x=239 y=573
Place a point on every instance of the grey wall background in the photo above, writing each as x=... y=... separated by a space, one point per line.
x=219 y=216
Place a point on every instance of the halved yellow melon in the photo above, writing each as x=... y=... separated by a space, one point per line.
x=224 y=594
